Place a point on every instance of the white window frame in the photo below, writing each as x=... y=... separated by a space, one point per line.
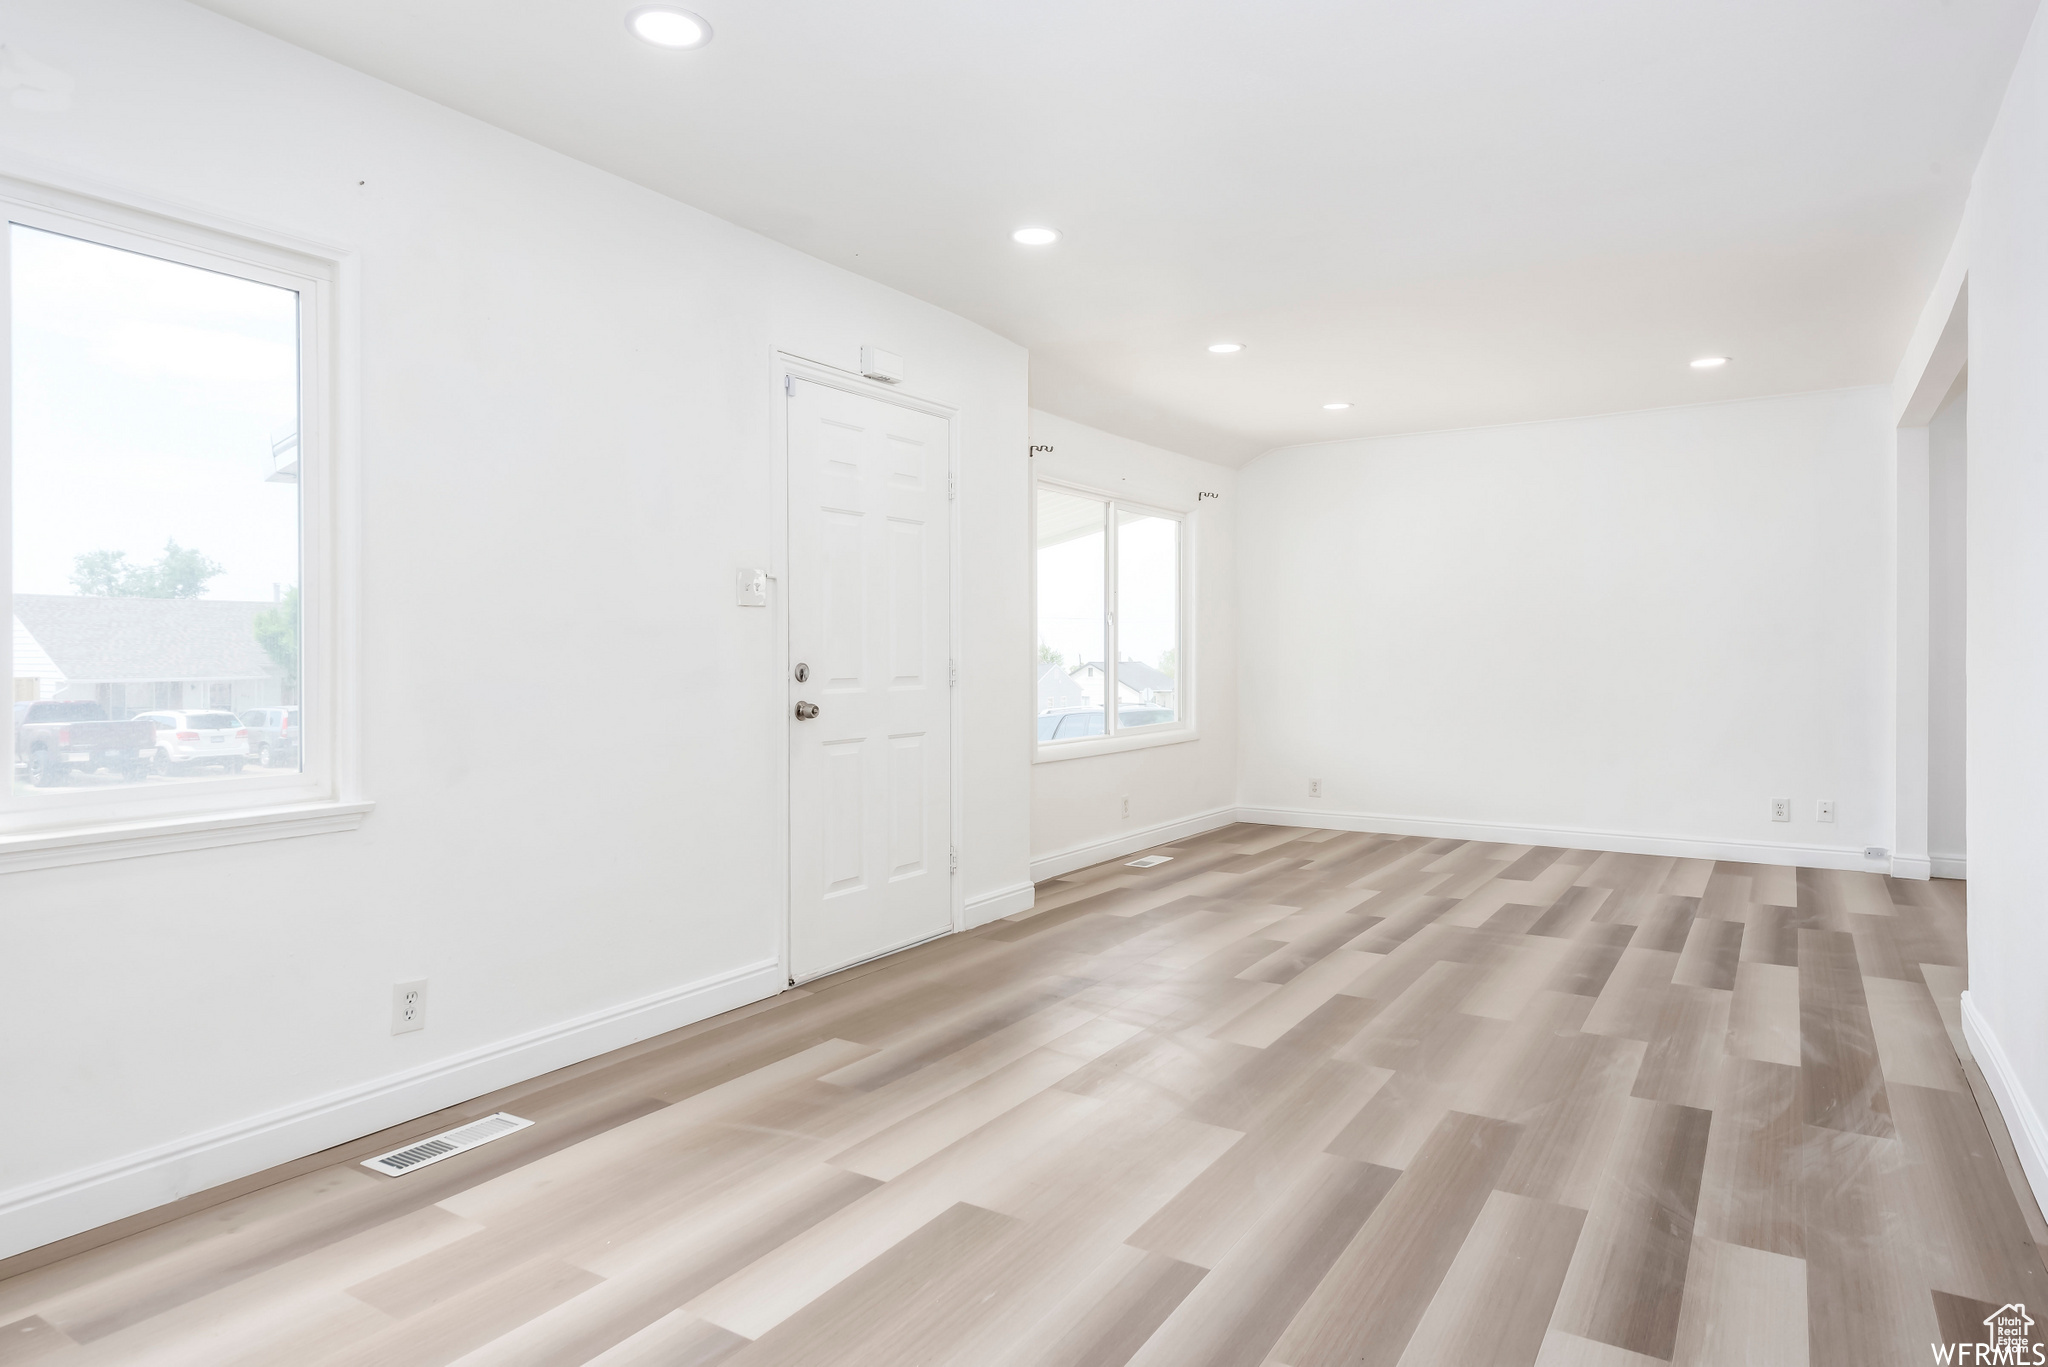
x=1175 y=732
x=64 y=826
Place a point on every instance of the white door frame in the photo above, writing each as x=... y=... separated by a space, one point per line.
x=786 y=365
x=1912 y=727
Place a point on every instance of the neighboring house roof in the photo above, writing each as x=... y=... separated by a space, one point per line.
x=31 y=661
x=1056 y=688
x=1138 y=675
x=111 y=640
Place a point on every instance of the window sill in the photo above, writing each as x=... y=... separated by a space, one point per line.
x=1111 y=745
x=22 y=852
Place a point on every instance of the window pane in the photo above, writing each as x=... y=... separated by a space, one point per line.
x=1071 y=628
x=156 y=515
x=1147 y=619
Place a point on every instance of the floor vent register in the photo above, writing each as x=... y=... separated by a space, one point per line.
x=459 y=1140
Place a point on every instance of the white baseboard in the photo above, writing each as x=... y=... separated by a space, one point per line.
x=1948 y=866
x=1915 y=867
x=1620 y=842
x=1129 y=842
x=993 y=906
x=56 y=1208
x=2029 y=1133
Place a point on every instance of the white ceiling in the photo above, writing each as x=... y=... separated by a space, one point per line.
x=1449 y=213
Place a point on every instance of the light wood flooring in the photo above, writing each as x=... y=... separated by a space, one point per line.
x=1296 y=1097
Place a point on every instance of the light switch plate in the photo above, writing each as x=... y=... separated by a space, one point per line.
x=753 y=589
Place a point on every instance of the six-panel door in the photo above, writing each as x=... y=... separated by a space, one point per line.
x=868 y=586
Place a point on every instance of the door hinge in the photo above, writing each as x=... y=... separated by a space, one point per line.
x=789 y=386
x=953 y=859
x=953 y=673
x=952 y=489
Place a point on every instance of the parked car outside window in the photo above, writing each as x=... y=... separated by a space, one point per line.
x=54 y=739
x=1069 y=723
x=273 y=736
x=186 y=740
x=1075 y=722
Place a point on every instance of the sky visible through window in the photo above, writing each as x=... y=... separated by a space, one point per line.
x=146 y=397
x=1148 y=585
x=1070 y=576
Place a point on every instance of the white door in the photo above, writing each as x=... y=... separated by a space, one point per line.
x=870 y=772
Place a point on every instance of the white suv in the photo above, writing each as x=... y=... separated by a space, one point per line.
x=188 y=738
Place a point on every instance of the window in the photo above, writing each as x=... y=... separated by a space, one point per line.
x=167 y=473
x=1110 y=647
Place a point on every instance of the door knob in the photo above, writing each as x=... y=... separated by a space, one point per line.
x=806 y=710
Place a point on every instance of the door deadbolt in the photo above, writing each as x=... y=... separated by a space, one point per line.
x=805 y=711
x=803 y=673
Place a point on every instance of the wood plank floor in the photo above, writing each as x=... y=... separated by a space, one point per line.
x=1297 y=1098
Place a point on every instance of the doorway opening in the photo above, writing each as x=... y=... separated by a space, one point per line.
x=1948 y=633
x=1930 y=755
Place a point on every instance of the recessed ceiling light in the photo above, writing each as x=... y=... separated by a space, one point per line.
x=1225 y=348
x=1335 y=406
x=1710 y=363
x=667 y=26
x=1036 y=237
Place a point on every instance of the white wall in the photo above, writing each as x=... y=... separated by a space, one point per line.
x=1947 y=638
x=1627 y=632
x=566 y=403
x=2002 y=251
x=1076 y=804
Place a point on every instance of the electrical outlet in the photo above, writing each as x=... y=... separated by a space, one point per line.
x=1823 y=811
x=1781 y=809
x=1127 y=805
x=1315 y=787
x=408 y=1007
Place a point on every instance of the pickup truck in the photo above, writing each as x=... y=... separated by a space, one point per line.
x=53 y=738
